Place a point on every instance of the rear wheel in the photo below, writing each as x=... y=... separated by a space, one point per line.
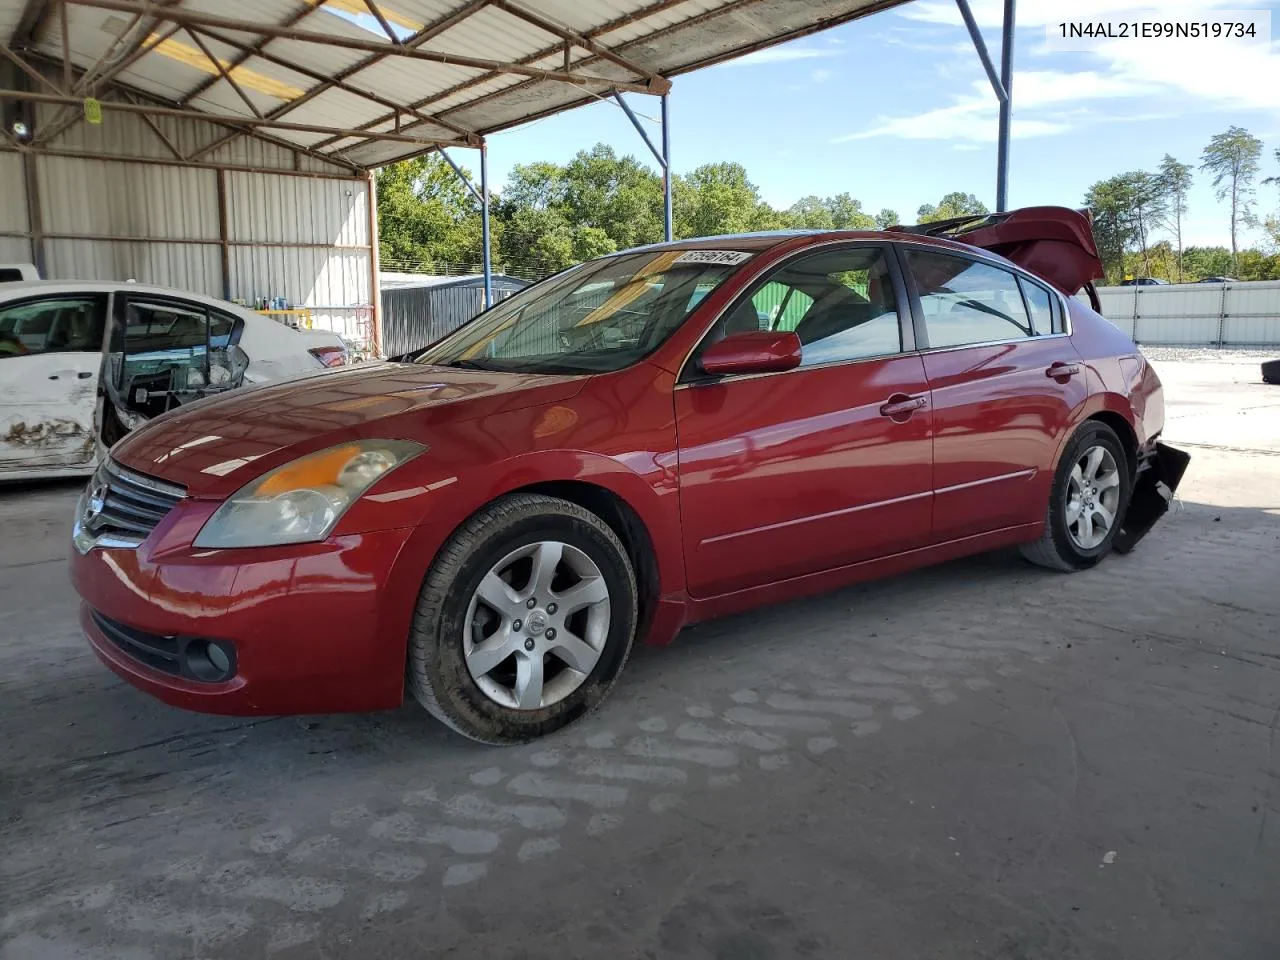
x=1087 y=503
x=525 y=620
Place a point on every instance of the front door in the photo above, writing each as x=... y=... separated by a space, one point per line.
x=825 y=465
x=50 y=364
x=1005 y=382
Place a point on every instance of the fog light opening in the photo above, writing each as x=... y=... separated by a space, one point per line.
x=208 y=660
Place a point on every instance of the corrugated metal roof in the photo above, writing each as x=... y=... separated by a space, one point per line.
x=653 y=39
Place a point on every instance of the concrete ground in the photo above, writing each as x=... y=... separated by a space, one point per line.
x=980 y=760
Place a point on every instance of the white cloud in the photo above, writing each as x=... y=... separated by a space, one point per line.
x=972 y=116
x=821 y=75
x=1233 y=76
x=783 y=54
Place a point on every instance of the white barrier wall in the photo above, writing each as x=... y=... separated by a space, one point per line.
x=1243 y=314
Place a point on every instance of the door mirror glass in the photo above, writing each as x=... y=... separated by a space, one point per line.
x=753 y=352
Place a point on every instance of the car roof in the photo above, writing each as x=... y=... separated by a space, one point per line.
x=24 y=288
x=767 y=240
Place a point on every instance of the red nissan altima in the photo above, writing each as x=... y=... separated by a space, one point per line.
x=649 y=439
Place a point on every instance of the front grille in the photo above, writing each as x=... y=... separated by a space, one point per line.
x=159 y=653
x=131 y=505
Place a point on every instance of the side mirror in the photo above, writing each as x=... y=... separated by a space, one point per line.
x=763 y=352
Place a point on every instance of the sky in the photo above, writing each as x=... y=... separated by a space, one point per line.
x=897 y=110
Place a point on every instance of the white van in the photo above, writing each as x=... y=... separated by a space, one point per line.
x=82 y=364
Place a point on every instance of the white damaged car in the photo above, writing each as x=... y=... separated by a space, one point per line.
x=83 y=363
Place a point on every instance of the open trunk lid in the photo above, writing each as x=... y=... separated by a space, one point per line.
x=1055 y=243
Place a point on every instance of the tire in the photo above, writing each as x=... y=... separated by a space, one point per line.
x=1062 y=547
x=447 y=637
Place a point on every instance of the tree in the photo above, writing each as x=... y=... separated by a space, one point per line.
x=1113 y=228
x=1232 y=160
x=615 y=194
x=952 y=205
x=887 y=218
x=1148 y=204
x=426 y=217
x=1175 y=181
x=847 y=213
x=811 y=213
x=717 y=198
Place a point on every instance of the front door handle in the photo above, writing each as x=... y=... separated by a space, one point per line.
x=900 y=407
x=84 y=375
x=1062 y=371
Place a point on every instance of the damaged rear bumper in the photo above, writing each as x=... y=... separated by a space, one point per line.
x=1157 y=482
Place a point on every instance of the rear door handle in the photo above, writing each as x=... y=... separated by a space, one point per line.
x=900 y=407
x=1062 y=371
x=84 y=375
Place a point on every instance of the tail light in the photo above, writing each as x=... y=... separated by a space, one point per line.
x=330 y=356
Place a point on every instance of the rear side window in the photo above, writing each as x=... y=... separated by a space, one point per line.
x=1044 y=319
x=966 y=302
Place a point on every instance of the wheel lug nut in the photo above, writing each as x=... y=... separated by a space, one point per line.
x=551 y=608
x=531 y=602
x=551 y=634
x=517 y=624
x=529 y=645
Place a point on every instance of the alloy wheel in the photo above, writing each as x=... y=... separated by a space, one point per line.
x=536 y=625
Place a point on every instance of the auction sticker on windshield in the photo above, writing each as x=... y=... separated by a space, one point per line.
x=716 y=257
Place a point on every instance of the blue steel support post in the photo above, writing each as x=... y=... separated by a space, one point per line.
x=666 y=168
x=1006 y=109
x=484 y=224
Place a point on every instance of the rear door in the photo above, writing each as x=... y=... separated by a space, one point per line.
x=50 y=364
x=1005 y=383
x=792 y=473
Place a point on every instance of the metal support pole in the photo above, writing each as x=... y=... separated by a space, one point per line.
x=666 y=168
x=224 y=247
x=35 y=217
x=461 y=176
x=484 y=224
x=1006 y=108
x=980 y=45
x=375 y=283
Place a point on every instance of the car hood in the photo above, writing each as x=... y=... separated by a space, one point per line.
x=213 y=447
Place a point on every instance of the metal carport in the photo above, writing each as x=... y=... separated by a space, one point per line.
x=228 y=147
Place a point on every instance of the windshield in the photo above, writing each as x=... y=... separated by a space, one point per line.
x=598 y=317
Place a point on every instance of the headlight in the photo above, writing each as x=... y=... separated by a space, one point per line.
x=302 y=501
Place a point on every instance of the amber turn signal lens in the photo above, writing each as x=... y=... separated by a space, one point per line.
x=309 y=472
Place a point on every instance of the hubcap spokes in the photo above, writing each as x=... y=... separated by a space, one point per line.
x=536 y=625
x=1093 y=497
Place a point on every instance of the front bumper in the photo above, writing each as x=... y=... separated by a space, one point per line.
x=1153 y=490
x=315 y=628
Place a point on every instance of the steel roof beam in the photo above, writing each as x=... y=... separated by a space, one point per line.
x=334 y=82
x=226 y=74
x=382 y=21
x=981 y=46
x=251 y=123
x=658 y=83
x=187 y=18
x=422 y=36
x=653 y=8
x=34 y=15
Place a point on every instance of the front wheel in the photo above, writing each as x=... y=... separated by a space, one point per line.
x=524 y=622
x=1087 y=503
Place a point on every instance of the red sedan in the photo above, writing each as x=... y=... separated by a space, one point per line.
x=649 y=439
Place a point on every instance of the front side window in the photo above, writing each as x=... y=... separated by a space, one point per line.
x=966 y=302
x=839 y=302
x=62 y=325
x=598 y=317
